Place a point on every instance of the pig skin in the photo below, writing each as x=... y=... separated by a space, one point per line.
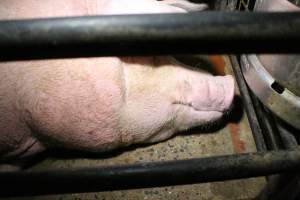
x=98 y=104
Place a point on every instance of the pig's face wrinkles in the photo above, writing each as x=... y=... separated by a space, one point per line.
x=190 y=105
x=204 y=94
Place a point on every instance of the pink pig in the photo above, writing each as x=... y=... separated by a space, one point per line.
x=99 y=104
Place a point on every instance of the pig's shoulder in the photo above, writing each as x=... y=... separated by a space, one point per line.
x=75 y=102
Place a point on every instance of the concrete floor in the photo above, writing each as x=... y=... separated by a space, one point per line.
x=234 y=137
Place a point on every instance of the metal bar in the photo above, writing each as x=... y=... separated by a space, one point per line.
x=248 y=104
x=268 y=125
x=262 y=131
x=278 y=186
x=276 y=183
x=284 y=186
x=155 y=174
x=287 y=134
x=204 y=32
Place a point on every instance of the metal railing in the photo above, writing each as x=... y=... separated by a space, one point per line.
x=205 y=32
x=208 y=32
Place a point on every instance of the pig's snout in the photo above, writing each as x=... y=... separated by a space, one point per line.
x=202 y=99
x=211 y=93
x=220 y=92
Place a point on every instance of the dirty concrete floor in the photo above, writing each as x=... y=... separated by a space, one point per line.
x=234 y=137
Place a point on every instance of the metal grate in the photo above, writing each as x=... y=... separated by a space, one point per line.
x=245 y=5
x=232 y=5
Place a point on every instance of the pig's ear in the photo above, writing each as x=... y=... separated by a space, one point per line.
x=186 y=5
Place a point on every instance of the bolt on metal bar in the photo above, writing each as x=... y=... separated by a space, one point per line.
x=155 y=174
x=204 y=32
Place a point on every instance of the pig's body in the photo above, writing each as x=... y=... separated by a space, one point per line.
x=98 y=104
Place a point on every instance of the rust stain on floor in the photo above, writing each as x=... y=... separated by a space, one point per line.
x=238 y=144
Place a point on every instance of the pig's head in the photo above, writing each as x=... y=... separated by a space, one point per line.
x=98 y=104
x=165 y=99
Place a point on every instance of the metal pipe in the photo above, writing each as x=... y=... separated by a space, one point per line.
x=154 y=174
x=278 y=186
x=267 y=123
x=204 y=32
x=248 y=105
x=287 y=134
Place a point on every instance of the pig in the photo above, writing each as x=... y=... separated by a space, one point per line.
x=101 y=103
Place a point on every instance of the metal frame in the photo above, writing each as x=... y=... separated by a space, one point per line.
x=200 y=170
x=162 y=34
x=268 y=136
x=204 y=32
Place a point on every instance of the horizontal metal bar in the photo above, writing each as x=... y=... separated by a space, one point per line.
x=204 y=32
x=154 y=174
